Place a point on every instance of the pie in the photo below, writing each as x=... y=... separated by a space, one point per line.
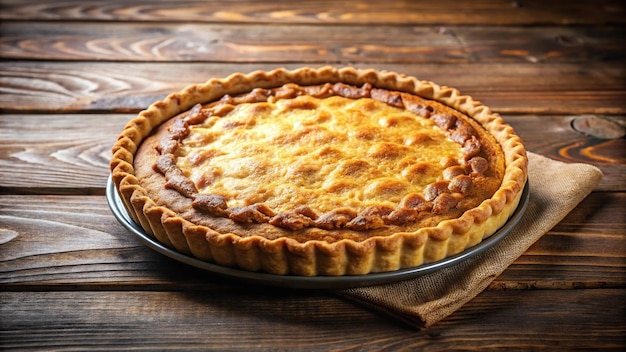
x=319 y=171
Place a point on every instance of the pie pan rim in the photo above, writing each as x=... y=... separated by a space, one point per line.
x=314 y=282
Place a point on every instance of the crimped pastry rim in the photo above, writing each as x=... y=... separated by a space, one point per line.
x=316 y=257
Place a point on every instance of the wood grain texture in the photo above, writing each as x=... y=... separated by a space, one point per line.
x=588 y=241
x=72 y=73
x=189 y=42
x=302 y=321
x=485 y=12
x=75 y=241
x=553 y=136
x=513 y=88
x=57 y=153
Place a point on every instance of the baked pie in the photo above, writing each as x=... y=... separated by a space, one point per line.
x=319 y=171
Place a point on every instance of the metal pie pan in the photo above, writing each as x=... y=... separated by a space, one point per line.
x=311 y=282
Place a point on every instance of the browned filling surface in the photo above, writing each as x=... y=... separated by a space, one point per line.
x=328 y=161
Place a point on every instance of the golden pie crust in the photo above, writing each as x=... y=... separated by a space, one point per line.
x=319 y=171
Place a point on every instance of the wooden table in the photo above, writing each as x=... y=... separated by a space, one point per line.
x=74 y=72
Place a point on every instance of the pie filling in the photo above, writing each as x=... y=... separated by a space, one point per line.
x=319 y=171
x=331 y=156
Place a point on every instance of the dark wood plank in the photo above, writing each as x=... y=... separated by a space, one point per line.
x=297 y=320
x=60 y=242
x=57 y=153
x=589 y=240
x=566 y=144
x=63 y=242
x=528 y=12
x=208 y=320
x=190 y=42
x=513 y=88
x=69 y=154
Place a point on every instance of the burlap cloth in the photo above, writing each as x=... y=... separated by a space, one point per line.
x=555 y=189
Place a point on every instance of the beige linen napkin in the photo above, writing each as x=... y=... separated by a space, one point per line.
x=555 y=189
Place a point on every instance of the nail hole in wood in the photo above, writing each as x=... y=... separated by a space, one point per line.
x=598 y=127
x=568 y=41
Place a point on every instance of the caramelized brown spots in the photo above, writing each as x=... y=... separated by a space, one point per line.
x=466 y=203
x=352 y=92
x=328 y=151
x=335 y=219
x=415 y=172
x=443 y=203
x=414 y=105
x=256 y=213
x=300 y=103
x=212 y=203
x=227 y=99
x=384 y=187
x=433 y=190
x=364 y=133
x=386 y=150
x=175 y=177
x=306 y=211
x=167 y=146
x=177 y=180
x=388 y=97
x=471 y=147
x=402 y=216
x=447 y=162
x=377 y=210
x=405 y=162
x=165 y=162
x=340 y=186
x=259 y=195
x=366 y=105
x=453 y=171
x=478 y=164
x=417 y=139
x=414 y=201
x=291 y=220
x=444 y=121
x=303 y=168
x=196 y=115
x=353 y=168
x=208 y=177
x=462 y=132
x=365 y=223
x=255 y=96
x=259 y=108
x=322 y=117
x=323 y=91
x=319 y=136
x=287 y=91
x=370 y=218
x=222 y=109
x=179 y=129
x=460 y=184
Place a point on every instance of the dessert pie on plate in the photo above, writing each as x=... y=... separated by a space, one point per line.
x=319 y=172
